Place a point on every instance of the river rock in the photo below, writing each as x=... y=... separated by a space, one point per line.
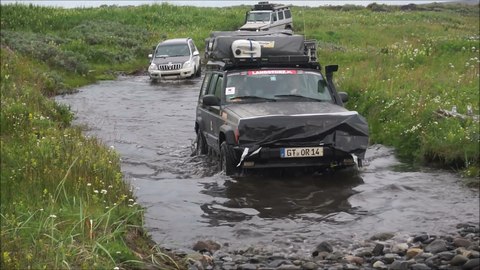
x=378 y=250
x=324 y=247
x=472 y=264
x=421 y=238
x=248 y=266
x=310 y=266
x=383 y=236
x=458 y=260
x=278 y=262
x=289 y=267
x=390 y=257
x=413 y=252
x=461 y=242
x=321 y=255
x=354 y=260
x=350 y=266
x=446 y=255
x=436 y=246
x=400 y=248
x=207 y=245
x=419 y=266
x=379 y=265
x=399 y=265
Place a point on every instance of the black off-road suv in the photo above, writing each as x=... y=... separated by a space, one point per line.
x=264 y=103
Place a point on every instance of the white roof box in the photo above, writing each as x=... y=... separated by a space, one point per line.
x=244 y=48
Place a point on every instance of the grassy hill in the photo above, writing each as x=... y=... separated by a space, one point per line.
x=63 y=201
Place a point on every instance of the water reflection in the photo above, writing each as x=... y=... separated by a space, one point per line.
x=278 y=197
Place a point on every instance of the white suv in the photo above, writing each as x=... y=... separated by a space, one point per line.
x=174 y=59
x=266 y=16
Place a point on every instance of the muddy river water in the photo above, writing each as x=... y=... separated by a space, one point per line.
x=186 y=199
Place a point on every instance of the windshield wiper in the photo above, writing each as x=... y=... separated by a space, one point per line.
x=161 y=56
x=299 y=96
x=252 y=97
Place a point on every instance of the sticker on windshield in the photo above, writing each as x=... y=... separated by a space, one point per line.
x=230 y=91
x=272 y=72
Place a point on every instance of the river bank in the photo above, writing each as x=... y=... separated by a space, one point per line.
x=387 y=250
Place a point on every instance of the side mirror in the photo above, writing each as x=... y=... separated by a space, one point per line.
x=331 y=69
x=196 y=53
x=150 y=56
x=343 y=96
x=211 y=100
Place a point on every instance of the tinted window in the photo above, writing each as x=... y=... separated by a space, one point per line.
x=211 y=87
x=218 y=87
x=204 y=88
x=280 y=15
x=287 y=14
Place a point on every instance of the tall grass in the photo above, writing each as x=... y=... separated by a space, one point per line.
x=63 y=201
x=400 y=67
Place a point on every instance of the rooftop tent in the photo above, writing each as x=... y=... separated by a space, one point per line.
x=273 y=43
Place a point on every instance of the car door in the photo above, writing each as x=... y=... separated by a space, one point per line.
x=202 y=115
x=211 y=116
x=195 y=54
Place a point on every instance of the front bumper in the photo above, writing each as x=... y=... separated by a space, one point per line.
x=267 y=157
x=172 y=74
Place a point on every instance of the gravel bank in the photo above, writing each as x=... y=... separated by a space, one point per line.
x=459 y=250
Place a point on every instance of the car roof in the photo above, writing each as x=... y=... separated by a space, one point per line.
x=175 y=41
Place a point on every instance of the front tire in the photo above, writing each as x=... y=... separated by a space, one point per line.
x=199 y=71
x=228 y=160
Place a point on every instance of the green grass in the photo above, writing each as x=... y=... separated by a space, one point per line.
x=64 y=203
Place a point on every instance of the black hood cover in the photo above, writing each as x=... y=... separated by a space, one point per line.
x=288 y=123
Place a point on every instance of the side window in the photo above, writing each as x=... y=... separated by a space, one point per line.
x=280 y=15
x=211 y=87
x=274 y=15
x=219 y=87
x=288 y=15
x=204 y=88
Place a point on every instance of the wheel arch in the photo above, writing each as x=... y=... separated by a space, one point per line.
x=227 y=134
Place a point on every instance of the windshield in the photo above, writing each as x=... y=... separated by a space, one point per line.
x=172 y=50
x=276 y=85
x=258 y=17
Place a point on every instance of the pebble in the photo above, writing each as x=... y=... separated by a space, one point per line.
x=382 y=251
x=458 y=260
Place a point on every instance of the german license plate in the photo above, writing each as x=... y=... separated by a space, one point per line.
x=297 y=152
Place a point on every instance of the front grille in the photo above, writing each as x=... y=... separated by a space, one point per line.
x=170 y=66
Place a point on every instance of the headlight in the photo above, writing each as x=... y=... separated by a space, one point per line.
x=153 y=67
x=187 y=64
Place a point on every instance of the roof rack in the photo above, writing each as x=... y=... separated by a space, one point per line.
x=268 y=6
x=272 y=48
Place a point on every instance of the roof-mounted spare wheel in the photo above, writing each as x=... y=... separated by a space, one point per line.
x=244 y=48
